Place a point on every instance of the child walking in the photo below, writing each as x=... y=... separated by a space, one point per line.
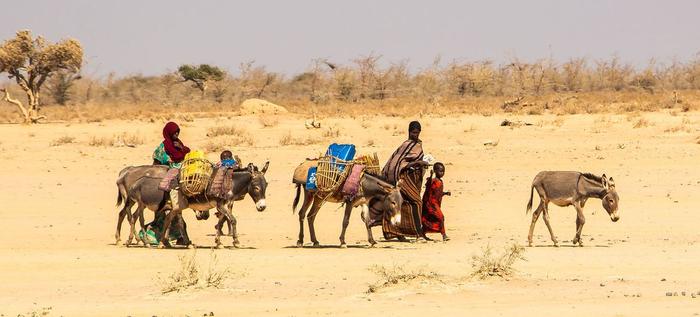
x=433 y=219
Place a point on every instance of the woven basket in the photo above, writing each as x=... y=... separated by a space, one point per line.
x=331 y=173
x=371 y=163
x=194 y=176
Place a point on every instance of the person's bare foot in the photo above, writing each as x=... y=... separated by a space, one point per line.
x=426 y=238
x=445 y=238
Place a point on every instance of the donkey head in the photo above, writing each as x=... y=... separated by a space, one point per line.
x=392 y=202
x=610 y=199
x=258 y=185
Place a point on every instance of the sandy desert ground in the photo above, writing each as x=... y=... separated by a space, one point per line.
x=58 y=220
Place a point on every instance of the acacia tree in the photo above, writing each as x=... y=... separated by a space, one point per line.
x=30 y=61
x=200 y=75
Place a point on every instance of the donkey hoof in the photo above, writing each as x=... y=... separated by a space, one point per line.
x=191 y=246
x=556 y=244
x=316 y=244
x=343 y=246
x=300 y=244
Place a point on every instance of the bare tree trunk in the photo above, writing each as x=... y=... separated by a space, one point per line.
x=31 y=115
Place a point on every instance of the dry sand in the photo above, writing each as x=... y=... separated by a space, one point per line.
x=58 y=221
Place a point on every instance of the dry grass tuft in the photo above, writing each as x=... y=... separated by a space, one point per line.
x=219 y=144
x=556 y=122
x=225 y=130
x=128 y=139
x=117 y=140
x=331 y=133
x=489 y=265
x=101 y=141
x=642 y=123
x=268 y=121
x=62 y=140
x=396 y=275
x=683 y=127
x=288 y=139
x=44 y=311
x=189 y=275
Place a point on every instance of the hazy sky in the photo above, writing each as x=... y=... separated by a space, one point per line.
x=151 y=37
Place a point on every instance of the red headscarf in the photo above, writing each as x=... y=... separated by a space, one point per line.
x=176 y=153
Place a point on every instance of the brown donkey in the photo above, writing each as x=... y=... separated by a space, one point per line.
x=376 y=197
x=571 y=189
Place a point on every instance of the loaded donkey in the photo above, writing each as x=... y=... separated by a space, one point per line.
x=377 y=198
x=140 y=185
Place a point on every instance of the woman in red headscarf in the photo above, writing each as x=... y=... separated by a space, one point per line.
x=171 y=151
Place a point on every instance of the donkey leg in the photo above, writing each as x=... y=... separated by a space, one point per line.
x=580 y=221
x=132 y=224
x=120 y=219
x=535 y=216
x=308 y=198
x=220 y=222
x=164 y=239
x=311 y=217
x=549 y=227
x=364 y=215
x=346 y=221
x=231 y=220
x=182 y=225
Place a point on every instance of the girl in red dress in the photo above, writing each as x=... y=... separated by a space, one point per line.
x=432 y=218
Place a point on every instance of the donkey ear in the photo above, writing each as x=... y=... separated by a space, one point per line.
x=264 y=169
x=251 y=167
x=605 y=181
x=611 y=182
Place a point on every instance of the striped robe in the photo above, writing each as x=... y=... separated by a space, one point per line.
x=394 y=170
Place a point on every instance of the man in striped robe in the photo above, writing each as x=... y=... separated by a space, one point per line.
x=407 y=166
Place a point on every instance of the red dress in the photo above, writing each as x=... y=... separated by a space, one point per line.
x=432 y=219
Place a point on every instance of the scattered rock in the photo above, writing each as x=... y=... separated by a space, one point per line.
x=663 y=279
x=669 y=294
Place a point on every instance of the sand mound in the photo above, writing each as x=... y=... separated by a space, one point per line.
x=259 y=106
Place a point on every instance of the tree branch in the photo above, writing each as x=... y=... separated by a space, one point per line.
x=16 y=102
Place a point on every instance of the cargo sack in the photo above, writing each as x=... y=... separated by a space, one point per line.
x=169 y=181
x=311 y=179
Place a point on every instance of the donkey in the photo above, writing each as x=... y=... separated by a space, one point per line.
x=145 y=192
x=571 y=189
x=383 y=198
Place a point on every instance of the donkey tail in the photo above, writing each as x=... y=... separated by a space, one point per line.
x=529 y=204
x=120 y=198
x=296 y=199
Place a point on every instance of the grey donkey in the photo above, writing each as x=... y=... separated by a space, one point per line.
x=376 y=197
x=571 y=189
x=139 y=185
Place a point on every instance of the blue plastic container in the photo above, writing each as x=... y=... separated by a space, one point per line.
x=345 y=152
x=311 y=179
x=228 y=162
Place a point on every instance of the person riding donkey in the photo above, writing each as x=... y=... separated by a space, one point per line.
x=171 y=152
